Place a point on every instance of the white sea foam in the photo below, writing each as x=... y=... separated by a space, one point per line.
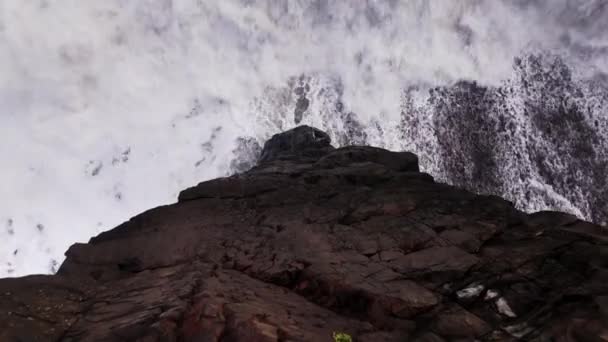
x=111 y=107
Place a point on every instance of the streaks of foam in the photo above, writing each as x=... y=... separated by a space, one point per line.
x=81 y=81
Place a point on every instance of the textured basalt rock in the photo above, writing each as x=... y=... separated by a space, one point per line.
x=315 y=240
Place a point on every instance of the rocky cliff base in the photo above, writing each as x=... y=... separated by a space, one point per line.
x=316 y=240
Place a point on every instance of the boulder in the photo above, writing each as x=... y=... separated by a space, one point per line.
x=302 y=142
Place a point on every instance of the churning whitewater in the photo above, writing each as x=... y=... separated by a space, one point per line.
x=108 y=108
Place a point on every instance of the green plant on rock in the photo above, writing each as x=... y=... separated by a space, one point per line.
x=342 y=337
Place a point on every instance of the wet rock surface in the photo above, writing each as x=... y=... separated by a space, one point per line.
x=315 y=240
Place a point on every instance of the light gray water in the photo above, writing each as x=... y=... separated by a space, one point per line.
x=108 y=108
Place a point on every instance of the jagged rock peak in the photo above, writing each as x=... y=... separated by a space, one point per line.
x=305 y=150
x=302 y=141
x=309 y=144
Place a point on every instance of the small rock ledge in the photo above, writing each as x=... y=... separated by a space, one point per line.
x=316 y=240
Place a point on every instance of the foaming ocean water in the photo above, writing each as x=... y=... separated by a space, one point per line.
x=108 y=108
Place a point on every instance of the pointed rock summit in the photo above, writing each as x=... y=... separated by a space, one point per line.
x=298 y=143
x=317 y=240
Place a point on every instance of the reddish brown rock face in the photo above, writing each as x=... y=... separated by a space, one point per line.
x=316 y=240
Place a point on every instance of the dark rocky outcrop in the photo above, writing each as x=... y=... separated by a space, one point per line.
x=303 y=143
x=315 y=240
